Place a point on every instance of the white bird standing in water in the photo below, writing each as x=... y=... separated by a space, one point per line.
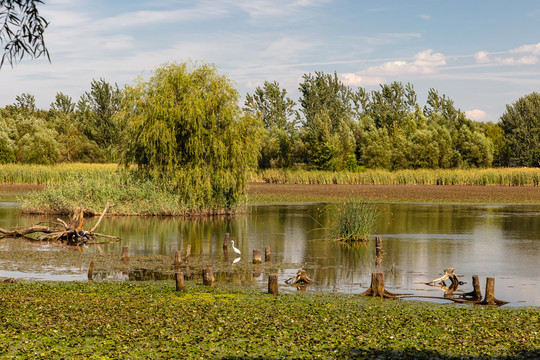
x=235 y=249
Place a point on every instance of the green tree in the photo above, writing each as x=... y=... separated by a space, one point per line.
x=36 y=143
x=521 y=126
x=7 y=145
x=96 y=112
x=63 y=103
x=187 y=131
x=25 y=102
x=328 y=128
x=276 y=111
x=21 y=30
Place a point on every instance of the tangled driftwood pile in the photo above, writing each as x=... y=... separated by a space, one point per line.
x=59 y=231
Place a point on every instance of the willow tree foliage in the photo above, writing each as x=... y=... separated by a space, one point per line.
x=187 y=131
x=21 y=30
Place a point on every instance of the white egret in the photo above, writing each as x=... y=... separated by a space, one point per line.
x=236 y=260
x=235 y=249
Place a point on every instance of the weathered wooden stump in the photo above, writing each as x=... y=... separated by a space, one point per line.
x=91 y=271
x=273 y=284
x=267 y=256
x=208 y=276
x=179 y=279
x=490 y=299
x=177 y=257
x=125 y=253
x=257 y=256
x=377 y=287
x=476 y=294
x=378 y=251
x=188 y=252
x=226 y=241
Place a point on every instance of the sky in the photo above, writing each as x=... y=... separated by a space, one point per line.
x=482 y=54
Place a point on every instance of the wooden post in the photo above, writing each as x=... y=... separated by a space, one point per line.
x=91 y=271
x=257 y=256
x=273 y=284
x=226 y=241
x=177 y=257
x=188 y=252
x=179 y=278
x=378 y=251
x=125 y=253
x=208 y=276
x=267 y=254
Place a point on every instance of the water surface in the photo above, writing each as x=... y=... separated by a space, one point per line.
x=419 y=241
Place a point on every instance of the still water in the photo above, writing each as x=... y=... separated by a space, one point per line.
x=419 y=241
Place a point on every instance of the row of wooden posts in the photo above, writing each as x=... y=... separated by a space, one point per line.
x=377 y=278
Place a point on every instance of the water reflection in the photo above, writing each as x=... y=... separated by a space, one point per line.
x=419 y=241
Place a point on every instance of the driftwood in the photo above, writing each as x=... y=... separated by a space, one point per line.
x=59 y=231
x=301 y=279
x=448 y=274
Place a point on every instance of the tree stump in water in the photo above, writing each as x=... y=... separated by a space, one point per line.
x=490 y=294
x=208 y=277
x=377 y=287
x=257 y=256
x=476 y=294
x=273 y=284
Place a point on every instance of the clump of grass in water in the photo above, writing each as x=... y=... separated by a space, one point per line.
x=355 y=221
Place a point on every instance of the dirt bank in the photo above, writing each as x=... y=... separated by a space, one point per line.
x=276 y=193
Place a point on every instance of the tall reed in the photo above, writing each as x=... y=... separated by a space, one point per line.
x=492 y=176
x=355 y=221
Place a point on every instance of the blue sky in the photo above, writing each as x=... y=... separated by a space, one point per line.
x=483 y=54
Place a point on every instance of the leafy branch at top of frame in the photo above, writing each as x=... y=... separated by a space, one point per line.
x=21 y=30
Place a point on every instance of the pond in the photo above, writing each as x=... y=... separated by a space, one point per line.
x=419 y=241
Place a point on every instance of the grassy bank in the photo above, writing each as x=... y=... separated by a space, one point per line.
x=150 y=320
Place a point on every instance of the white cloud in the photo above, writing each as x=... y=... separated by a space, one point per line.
x=476 y=114
x=424 y=16
x=482 y=57
x=360 y=80
x=424 y=63
x=530 y=48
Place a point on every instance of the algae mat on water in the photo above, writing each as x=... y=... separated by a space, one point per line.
x=150 y=320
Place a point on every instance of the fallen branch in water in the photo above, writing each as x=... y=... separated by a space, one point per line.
x=72 y=234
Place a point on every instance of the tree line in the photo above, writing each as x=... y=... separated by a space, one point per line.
x=331 y=127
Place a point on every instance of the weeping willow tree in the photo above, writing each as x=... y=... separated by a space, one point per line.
x=187 y=132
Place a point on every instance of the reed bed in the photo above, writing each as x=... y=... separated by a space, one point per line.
x=53 y=174
x=492 y=176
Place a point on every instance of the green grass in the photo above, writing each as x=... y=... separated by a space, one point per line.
x=150 y=320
